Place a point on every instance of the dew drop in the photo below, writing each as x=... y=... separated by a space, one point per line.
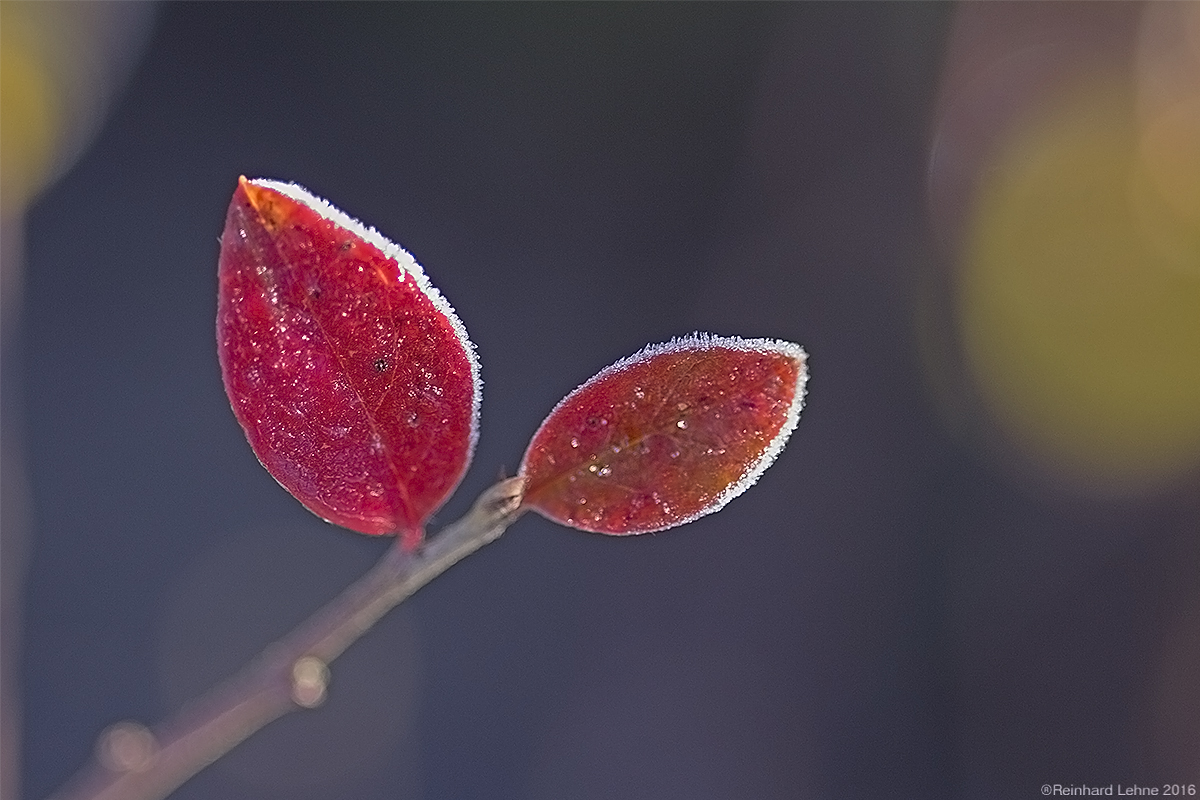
x=639 y=393
x=681 y=406
x=605 y=472
x=592 y=468
x=413 y=419
x=681 y=424
x=674 y=454
x=574 y=442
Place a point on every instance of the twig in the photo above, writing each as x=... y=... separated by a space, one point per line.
x=136 y=763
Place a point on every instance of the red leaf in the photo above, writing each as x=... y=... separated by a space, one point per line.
x=352 y=377
x=667 y=435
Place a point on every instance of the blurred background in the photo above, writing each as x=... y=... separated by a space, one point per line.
x=974 y=570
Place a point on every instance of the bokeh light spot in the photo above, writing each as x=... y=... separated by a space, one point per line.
x=30 y=116
x=1082 y=333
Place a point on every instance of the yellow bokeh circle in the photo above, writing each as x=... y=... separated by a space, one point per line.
x=1081 y=331
x=30 y=118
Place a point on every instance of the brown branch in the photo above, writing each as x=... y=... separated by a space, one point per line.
x=135 y=763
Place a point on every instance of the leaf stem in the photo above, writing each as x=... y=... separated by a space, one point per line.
x=135 y=763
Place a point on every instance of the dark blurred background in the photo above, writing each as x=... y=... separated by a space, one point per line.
x=974 y=570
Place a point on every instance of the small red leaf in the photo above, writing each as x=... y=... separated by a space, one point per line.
x=667 y=435
x=352 y=377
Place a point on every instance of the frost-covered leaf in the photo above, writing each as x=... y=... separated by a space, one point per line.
x=352 y=377
x=667 y=435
